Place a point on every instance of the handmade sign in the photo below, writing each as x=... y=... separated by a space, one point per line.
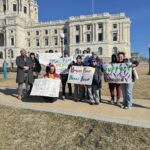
x=44 y=58
x=118 y=73
x=46 y=87
x=85 y=57
x=61 y=64
x=81 y=75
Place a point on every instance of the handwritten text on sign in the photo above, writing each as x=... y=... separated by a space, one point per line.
x=81 y=75
x=61 y=64
x=44 y=58
x=118 y=73
x=46 y=87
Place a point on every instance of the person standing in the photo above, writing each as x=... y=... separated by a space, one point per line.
x=24 y=72
x=114 y=86
x=78 y=89
x=127 y=88
x=36 y=68
x=94 y=90
x=64 y=78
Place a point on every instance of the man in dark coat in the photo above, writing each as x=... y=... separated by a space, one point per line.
x=24 y=72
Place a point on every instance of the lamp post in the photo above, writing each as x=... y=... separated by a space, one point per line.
x=5 y=56
x=149 y=59
x=62 y=36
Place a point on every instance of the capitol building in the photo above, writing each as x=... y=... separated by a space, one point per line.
x=105 y=33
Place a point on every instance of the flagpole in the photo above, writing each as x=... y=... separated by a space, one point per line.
x=92 y=6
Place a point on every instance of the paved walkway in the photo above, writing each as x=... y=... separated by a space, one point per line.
x=139 y=115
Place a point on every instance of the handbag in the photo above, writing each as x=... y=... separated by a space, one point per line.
x=135 y=74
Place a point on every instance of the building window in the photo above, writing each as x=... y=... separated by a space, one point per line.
x=1 y=55
x=12 y=42
x=100 y=25
x=14 y=7
x=77 y=51
x=88 y=38
x=77 y=28
x=55 y=31
x=37 y=42
x=77 y=39
x=100 y=51
x=46 y=41
x=114 y=36
x=88 y=50
x=56 y=41
x=25 y=10
x=46 y=32
x=12 y=54
x=65 y=30
x=29 y=43
x=115 y=50
x=100 y=36
x=4 y=8
x=114 y=26
x=65 y=41
x=28 y=33
x=88 y=27
x=37 y=32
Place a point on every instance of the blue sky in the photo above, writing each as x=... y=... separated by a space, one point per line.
x=137 y=10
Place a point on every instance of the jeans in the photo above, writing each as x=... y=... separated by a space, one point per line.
x=127 y=89
x=94 y=93
x=78 y=91
x=20 y=85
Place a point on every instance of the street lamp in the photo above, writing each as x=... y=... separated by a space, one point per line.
x=149 y=60
x=62 y=36
x=5 y=62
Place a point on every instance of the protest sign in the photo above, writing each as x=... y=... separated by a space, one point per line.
x=61 y=64
x=44 y=58
x=81 y=75
x=85 y=57
x=46 y=87
x=118 y=73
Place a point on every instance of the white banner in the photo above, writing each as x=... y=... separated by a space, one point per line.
x=44 y=58
x=46 y=87
x=118 y=73
x=61 y=64
x=81 y=75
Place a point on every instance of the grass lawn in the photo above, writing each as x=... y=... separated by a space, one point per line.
x=32 y=130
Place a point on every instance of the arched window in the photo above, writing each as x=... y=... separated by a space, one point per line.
x=100 y=51
x=1 y=55
x=88 y=50
x=115 y=50
x=77 y=51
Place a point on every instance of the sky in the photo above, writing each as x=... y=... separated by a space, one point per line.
x=137 y=10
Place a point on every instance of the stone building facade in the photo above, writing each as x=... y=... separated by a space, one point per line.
x=103 y=33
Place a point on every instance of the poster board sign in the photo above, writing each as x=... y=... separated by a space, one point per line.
x=61 y=64
x=44 y=58
x=85 y=57
x=46 y=87
x=118 y=73
x=81 y=75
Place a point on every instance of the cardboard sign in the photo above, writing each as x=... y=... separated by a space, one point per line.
x=46 y=87
x=61 y=64
x=118 y=73
x=44 y=58
x=81 y=75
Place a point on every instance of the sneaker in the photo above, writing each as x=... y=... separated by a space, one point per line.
x=126 y=107
x=63 y=97
x=19 y=97
x=112 y=101
x=118 y=103
x=96 y=103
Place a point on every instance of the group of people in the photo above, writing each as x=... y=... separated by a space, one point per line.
x=28 y=69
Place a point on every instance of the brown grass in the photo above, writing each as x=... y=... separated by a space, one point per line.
x=25 y=129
